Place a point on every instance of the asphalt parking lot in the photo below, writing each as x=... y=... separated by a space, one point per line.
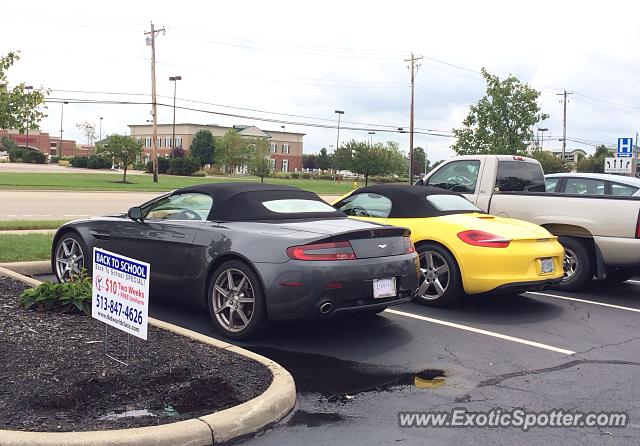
x=538 y=351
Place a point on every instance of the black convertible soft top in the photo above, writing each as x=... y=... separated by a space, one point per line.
x=411 y=201
x=243 y=201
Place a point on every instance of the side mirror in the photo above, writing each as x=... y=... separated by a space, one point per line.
x=135 y=213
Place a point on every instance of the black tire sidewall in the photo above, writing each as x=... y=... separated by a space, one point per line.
x=584 y=271
x=455 y=291
x=257 y=324
x=83 y=247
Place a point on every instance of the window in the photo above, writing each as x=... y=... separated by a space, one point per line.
x=285 y=165
x=295 y=206
x=179 y=141
x=273 y=147
x=138 y=140
x=147 y=141
x=159 y=142
x=366 y=205
x=272 y=164
x=584 y=186
x=285 y=148
x=550 y=184
x=458 y=176
x=167 y=142
x=623 y=190
x=451 y=203
x=519 y=176
x=189 y=206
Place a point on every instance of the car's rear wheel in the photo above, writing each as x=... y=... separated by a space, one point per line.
x=578 y=264
x=69 y=257
x=236 y=301
x=440 y=284
x=617 y=275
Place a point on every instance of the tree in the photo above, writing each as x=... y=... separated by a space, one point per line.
x=89 y=130
x=123 y=149
x=309 y=162
x=419 y=161
x=342 y=158
x=550 y=163
x=260 y=163
x=17 y=108
x=593 y=163
x=323 y=160
x=367 y=160
x=203 y=147
x=501 y=122
x=394 y=159
x=233 y=151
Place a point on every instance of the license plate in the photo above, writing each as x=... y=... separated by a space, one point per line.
x=384 y=288
x=546 y=266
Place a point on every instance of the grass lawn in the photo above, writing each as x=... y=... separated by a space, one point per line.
x=140 y=183
x=8 y=225
x=24 y=247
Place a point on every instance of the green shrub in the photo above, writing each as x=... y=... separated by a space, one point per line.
x=78 y=161
x=163 y=165
x=200 y=173
x=325 y=176
x=139 y=166
x=54 y=159
x=33 y=156
x=65 y=297
x=295 y=175
x=283 y=175
x=98 y=162
x=185 y=166
x=307 y=175
x=63 y=163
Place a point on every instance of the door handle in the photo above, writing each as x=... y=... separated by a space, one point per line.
x=179 y=235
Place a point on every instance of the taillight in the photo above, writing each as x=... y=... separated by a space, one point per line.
x=322 y=251
x=408 y=246
x=638 y=226
x=485 y=239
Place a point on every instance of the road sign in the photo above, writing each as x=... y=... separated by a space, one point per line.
x=625 y=147
x=618 y=165
x=120 y=295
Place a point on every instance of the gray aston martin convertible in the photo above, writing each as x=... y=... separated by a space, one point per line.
x=251 y=254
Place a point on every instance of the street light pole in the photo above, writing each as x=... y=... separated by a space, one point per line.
x=100 y=137
x=28 y=88
x=542 y=130
x=338 y=112
x=175 y=80
x=371 y=138
x=61 y=120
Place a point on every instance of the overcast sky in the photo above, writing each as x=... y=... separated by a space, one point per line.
x=310 y=58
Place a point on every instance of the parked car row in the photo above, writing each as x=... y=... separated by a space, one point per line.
x=254 y=253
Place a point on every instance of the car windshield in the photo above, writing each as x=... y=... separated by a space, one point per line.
x=450 y=203
x=296 y=206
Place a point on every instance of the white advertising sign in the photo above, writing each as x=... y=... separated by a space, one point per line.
x=121 y=292
x=618 y=165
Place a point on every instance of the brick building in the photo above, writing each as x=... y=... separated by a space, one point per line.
x=285 y=147
x=45 y=143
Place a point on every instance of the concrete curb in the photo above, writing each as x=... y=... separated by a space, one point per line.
x=247 y=418
x=26 y=231
x=28 y=268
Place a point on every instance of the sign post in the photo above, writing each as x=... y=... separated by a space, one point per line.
x=120 y=296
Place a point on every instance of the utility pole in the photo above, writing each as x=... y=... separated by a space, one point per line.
x=413 y=68
x=175 y=80
x=151 y=40
x=564 y=122
x=339 y=113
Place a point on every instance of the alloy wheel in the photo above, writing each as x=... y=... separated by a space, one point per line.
x=69 y=259
x=570 y=264
x=436 y=276
x=233 y=300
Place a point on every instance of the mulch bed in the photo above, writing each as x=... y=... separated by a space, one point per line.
x=54 y=375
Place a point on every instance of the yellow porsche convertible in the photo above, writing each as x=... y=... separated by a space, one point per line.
x=462 y=249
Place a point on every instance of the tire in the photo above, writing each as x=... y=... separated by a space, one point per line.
x=436 y=293
x=617 y=275
x=241 y=315
x=69 y=257
x=578 y=264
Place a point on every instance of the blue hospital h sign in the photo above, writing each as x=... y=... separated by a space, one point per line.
x=625 y=147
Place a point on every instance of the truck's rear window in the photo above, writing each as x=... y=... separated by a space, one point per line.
x=519 y=176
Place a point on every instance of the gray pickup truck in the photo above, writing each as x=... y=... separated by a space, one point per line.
x=600 y=233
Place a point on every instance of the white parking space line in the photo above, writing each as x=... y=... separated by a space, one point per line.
x=481 y=331
x=637 y=282
x=602 y=304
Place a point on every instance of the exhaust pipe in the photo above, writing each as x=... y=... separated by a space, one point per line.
x=326 y=308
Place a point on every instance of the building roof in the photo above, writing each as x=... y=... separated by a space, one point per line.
x=236 y=127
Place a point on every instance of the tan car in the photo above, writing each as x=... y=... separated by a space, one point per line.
x=600 y=233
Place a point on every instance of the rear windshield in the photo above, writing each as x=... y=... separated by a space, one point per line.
x=451 y=203
x=296 y=206
x=519 y=176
